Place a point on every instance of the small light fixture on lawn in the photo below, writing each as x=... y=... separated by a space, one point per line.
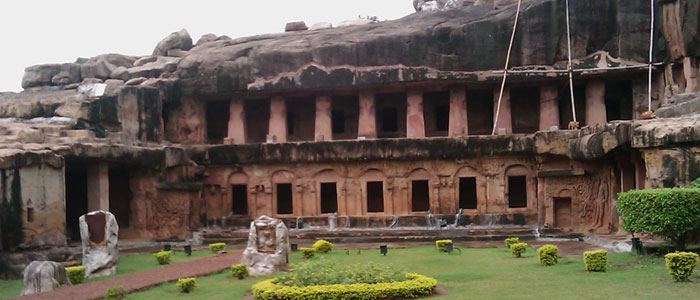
x=383 y=249
x=167 y=247
x=293 y=246
x=188 y=250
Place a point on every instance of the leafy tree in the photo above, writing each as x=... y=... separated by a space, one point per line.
x=670 y=212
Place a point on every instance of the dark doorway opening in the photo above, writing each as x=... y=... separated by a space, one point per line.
x=562 y=212
x=301 y=118
x=76 y=200
x=391 y=115
x=284 y=198
x=329 y=198
x=618 y=100
x=345 y=114
x=525 y=109
x=467 y=192
x=480 y=111
x=257 y=120
x=565 y=115
x=120 y=196
x=517 y=191
x=420 y=195
x=217 y=121
x=436 y=113
x=375 y=196
x=239 y=199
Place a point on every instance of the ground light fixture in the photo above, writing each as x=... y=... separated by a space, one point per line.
x=293 y=246
x=167 y=247
x=188 y=250
x=383 y=249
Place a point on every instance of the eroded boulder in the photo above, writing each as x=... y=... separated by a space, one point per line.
x=99 y=233
x=43 y=276
x=295 y=26
x=176 y=40
x=268 y=246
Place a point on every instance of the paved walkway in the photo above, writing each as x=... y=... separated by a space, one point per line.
x=144 y=279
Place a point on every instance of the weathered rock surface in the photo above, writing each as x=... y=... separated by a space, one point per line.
x=321 y=25
x=99 y=233
x=43 y=276
x=268 y=246
x=421 y=46
x=295 y=26
x=176 y=40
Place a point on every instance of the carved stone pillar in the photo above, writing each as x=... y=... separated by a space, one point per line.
x=236 y=123
x=367 y=126
x=549 y=107
x=504 y=121
x=278 y=119
x=458 y=112
x=415 y=124
x=322 y=128
x=595 y=103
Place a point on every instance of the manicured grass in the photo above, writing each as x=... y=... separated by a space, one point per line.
x=127 y=264
x=484 y=273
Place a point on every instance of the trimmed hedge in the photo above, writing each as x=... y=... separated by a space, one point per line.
x=163 y=257
x=681 y=264
x=548 y=254
x=440 y=245
x=187 y=284
x=414 y=286
x=511 y=240
x=670 y=212
x=115 y=292
x=322 y=246
x=239 y=271
x=596 y=260
x=518 y=249
x=695 y=183
x=307 y=252
x=76 y=274
x=216 y=247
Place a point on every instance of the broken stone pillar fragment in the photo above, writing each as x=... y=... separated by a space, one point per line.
x=268 y=246
x=99 y=233
x=43 y=276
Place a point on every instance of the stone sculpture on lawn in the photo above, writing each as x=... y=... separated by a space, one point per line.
x=268 y=246
x=99 y=233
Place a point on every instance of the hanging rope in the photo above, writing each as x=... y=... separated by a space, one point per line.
x=570 y=70
x=651 y=54
x=505 y=70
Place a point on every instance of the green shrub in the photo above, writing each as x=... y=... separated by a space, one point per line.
x=670 y=212
x=239 y=271
x=511 y=240
x=187 y=284
x=548 y=254
x=324 y=273
x=518 y=249
x=216 y=247
x=76 y=274
x=163 y=257
x=440 y=245
x=681 y=264
x=322 y=246
x=695 y=183
x=414 y=286
x=115 y=292
x=596 y=260
x=307 y=252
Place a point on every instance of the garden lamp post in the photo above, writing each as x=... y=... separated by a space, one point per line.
x=383 y=249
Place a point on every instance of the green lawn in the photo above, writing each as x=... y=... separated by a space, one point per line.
x=485 y=273
x=127 y=264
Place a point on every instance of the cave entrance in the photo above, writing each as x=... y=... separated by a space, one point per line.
x=257 y=119
x=436 y=113
x=517 y=191
x=565 y=115
x=618 y=100
x=301 y=118
x=217 y=121
x=467 y=192
x=239 y=199
x=562 y=212
x=375 y=196
x=120 y=195
x=420 y=195
x=525 y=109
x=76 y=199
x=284 y=199
x=345 y=114
x=480 y=111
x=391 y=115
x=329 y=197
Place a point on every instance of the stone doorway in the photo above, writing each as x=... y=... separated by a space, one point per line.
x=562 y=212
x=76 y=199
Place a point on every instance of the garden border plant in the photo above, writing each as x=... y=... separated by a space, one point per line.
x=76 y=274
x=680 y=265
x=518 y=249
x=548 y=254
x=511 y=240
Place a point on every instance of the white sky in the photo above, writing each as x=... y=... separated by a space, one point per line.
x=58 y=31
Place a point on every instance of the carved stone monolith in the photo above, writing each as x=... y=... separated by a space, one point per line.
x=268 y=246
x=99 y=233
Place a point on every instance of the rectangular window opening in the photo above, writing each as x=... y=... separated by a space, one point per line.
x=375 y=196
x=467 y=192
x=480 y=111
x=284 y=198
x=329 y=198
x=420 y=195
x=290 y=123
x=442 y=118
x=217 y=114
x=517 y=191
x=390 y=119
x=239 y=199
x=618 y=100
x=525 y=109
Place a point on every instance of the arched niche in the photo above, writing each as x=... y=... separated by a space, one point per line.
x=519 y=186
x=284 y=202
x=374 y=191
x=328 y=185
x=469 y=189
x=239 y=201
x=420 y=191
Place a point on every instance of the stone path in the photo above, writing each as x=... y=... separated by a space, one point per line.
x=144 y=279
